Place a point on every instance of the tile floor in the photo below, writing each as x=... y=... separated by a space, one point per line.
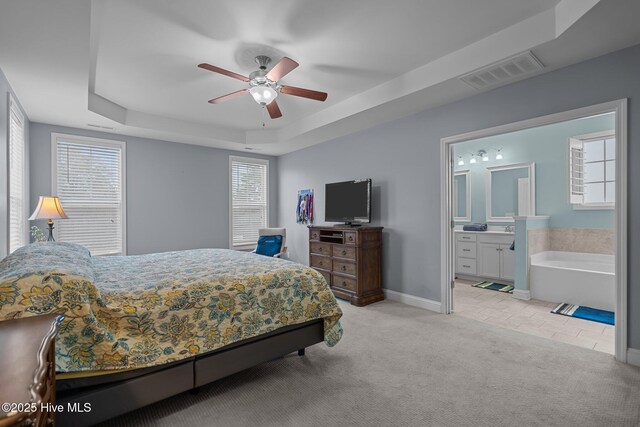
x=531 y=317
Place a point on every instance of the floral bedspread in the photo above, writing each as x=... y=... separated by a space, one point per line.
x=139 y=311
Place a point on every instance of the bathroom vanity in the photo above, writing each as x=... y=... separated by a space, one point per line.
x=485 y=255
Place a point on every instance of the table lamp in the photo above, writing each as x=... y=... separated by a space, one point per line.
x=48 y=208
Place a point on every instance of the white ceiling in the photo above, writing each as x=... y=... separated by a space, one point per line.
x=132 y=65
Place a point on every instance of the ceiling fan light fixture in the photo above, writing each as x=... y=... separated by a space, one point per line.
x=263 y=95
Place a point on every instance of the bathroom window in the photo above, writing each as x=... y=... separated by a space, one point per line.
x=592 y=171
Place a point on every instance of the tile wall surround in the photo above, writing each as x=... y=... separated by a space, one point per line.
x=582 y=240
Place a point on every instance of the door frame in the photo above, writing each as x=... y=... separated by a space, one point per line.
x=619 y=107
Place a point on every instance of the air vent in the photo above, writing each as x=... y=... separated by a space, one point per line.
x=504 y=71
x=100 y=127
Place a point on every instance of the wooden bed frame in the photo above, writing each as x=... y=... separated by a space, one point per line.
x=116 y=394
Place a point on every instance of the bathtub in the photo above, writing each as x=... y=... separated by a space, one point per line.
x=574 y=278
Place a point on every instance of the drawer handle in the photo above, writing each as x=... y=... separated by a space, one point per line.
x=320 y=249
x=344 y=252
x=320 y=263
x=466 y=266
x=466 y=250
x=344 y=268
x=351 y=238
x=344 y=283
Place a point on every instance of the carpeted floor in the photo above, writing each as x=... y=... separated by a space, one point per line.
x=399 y=365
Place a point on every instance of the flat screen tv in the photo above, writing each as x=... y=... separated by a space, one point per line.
x=348 y=202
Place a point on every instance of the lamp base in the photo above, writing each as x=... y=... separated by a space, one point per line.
x=50 y=224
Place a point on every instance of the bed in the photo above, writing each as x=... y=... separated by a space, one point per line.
x=138 y=329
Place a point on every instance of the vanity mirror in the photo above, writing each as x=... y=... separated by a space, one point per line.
x=510 y=191
x=461 y=197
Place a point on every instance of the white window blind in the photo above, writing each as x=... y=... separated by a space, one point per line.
x=249 y=205
x=17 y=182
x=89 y=181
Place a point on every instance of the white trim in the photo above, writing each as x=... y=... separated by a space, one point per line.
x=419 y=302
x=531 y=167
x=594 y=207
x=621 y=230
x=447 y=258
x=467 y=217
x=100 y=142
x=257 y=160
x=633 y=356
x=595 y=136
x=446 y=166
x=523 y=294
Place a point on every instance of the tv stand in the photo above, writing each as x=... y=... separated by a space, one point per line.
x=350 y=259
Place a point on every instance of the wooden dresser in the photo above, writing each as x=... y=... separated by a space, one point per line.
x=350 y=259
x=28 y=370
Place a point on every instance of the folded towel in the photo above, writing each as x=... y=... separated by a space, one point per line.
x=475 y=227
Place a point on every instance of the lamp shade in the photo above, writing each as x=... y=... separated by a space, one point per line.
x=263 y=94
x=49 y=207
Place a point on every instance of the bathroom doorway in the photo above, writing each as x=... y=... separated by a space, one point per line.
x=534 y=227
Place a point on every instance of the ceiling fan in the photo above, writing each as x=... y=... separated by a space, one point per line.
x=265 y=86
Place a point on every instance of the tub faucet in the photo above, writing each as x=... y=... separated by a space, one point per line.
x=508 y=229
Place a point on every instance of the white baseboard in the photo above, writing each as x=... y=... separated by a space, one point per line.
x=633 y=356
x=427 y=304
x=524 y=294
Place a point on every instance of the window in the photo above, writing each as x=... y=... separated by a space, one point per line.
x=249 y=193
x=17 y=181
x=89 y=178
x=592 y=170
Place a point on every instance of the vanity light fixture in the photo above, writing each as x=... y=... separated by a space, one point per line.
x=481 y=154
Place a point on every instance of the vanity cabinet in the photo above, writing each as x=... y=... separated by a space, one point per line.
x=496 y=261
x=485 y=255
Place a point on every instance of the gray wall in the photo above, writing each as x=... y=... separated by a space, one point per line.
x=177 y=194
x=5 y=89
x=403 y=159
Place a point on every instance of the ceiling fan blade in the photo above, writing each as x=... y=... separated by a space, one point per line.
x=223 y=98
x=304 y=93
x=281 y=69
x=223 y=72
x=274 y=110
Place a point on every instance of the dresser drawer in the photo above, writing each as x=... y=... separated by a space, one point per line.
x=465 y=237
x=320 y=248
x=466 y=249
x=344 y=283
x=320 y=262
x=326 y=275
x=314 y=235
x=344 y=267
x=350 y=238
x=340 y=251
x=466 y=266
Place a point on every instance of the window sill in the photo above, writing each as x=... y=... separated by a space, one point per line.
x=595 y=207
